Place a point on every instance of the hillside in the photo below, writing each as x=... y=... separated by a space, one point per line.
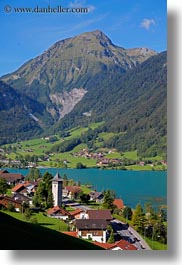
x=134 y=105
x=19 y=235
x=87 y=79
x=61 y=76
x=19 y=115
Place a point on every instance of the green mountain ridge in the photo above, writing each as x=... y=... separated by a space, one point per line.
x=19 y=115
x=134 y=103
x=72 y=63
x=88 y=79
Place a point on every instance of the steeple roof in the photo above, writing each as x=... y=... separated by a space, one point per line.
x=57 y=177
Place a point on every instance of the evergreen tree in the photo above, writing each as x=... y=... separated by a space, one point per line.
x=3 y=186
x=84 y=197
x=111 y=237
x=65 y=181
x=138 y=219
x=34 y=174
x=108 y=199
x=43 y=196
x=127 y=213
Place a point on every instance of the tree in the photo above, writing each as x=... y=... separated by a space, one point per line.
x=138 y=219
x=65 y=181
x=108 y=199
x=43 y=196
x=3 y=186
x=79 y=165
x=111 y=237
x=27 y=214
x=34 y=174
x=11 y=207
x=84 y=198
x=163 y=215
x=150 y=213
x=127 y=213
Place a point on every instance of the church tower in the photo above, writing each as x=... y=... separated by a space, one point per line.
x=57 y=184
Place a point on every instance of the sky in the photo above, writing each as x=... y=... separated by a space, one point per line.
x=128 y=23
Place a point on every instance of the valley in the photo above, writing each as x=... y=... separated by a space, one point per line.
x=89 y=153
x=87 y=80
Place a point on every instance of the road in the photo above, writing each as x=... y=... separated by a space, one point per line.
x=127 y=233
x=122 y=230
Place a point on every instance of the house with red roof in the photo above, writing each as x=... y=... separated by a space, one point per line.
x=78 y=214
x=17 y=188
x=118 y=203
x=59 y=213
x=5 y=201
x=71 y=191
x=119 y=245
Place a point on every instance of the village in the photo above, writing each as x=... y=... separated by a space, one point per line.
x=97 y=225
x=102 y=158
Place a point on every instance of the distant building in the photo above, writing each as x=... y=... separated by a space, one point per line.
x=6 y=201
x=59 y=213
x=96 y=196
x=78 y=214
x=11 y=178
x=57 y=184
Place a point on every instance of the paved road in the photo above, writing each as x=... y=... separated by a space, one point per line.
x=127 y=233
x=122 y=230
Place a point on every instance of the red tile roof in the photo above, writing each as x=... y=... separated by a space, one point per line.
x=9 y=199
x=77 y=211
x=58 y=210
x=18 y=187
x=73 y=189
x=100 y=214
x=104 y=245
x=69 y=233
x=119 y=203
x=122 y=244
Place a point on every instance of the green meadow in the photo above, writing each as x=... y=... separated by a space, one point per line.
x=43 y=146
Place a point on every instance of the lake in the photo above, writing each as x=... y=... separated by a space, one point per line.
x=131 y=186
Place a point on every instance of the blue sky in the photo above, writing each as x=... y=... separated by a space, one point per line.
x=128 y=23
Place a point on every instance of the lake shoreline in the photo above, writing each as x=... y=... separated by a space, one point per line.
x=131 y=186
x=88 y=168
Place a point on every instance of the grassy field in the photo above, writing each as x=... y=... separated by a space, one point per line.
x=42 y=220
x=20 y=235
x=85 y=189
x=156 y=245
x=146 y=167
x=42 y=146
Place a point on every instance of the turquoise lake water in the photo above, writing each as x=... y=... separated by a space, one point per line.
x=131 y=186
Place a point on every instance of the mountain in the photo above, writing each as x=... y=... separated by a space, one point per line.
x=88 y=79
x=133 y=105
x=61 y=76
x=20 y=116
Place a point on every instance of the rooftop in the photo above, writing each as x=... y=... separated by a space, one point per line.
x=85 y=224
x=57 y=177
x=100 y=214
